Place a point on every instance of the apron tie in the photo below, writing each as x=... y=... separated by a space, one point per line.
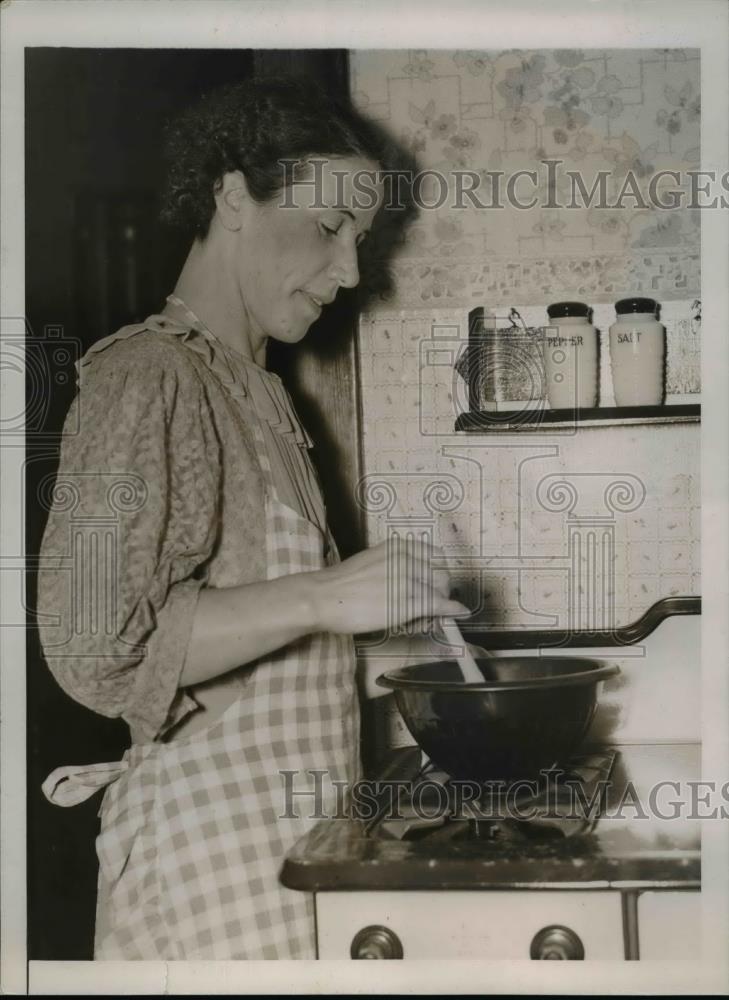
x=75 y=783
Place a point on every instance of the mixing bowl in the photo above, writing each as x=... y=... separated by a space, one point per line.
x=529 y=713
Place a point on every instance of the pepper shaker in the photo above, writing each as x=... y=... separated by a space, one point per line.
x=571 y=357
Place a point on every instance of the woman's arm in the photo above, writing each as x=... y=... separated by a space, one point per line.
x=237 y=625
x=150 y=445
x=133 y=520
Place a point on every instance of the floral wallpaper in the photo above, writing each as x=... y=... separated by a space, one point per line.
x=622 y=111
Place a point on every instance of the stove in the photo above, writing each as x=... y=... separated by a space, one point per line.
x=577 y=866
x=524 y=876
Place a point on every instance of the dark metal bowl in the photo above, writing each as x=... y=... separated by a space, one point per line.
x=529 y=713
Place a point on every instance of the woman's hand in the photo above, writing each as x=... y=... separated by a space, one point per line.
x=387 y=585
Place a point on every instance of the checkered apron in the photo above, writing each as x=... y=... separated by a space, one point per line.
x=194 y=832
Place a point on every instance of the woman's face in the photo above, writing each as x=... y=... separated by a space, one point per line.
x=294 y=252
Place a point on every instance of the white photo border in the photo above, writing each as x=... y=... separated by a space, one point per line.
x=376 y=24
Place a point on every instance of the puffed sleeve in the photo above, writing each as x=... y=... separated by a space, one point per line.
x=134 y=518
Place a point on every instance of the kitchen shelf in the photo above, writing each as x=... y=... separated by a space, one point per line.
x=544 y=419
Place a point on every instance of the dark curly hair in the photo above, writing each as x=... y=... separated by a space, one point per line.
x=250 y=126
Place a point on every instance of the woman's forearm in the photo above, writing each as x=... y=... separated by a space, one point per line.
x=237 y=625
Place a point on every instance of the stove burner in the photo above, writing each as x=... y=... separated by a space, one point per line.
x=566 y=802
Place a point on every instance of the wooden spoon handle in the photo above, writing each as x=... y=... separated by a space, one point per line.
x=469 y=668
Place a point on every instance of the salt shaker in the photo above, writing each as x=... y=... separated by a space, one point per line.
x=571 y=357
x=637 y=353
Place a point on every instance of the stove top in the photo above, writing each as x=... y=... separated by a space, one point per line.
x=623 y=841
x=564 y=802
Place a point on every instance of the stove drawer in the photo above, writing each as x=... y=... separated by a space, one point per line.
x=669 y=925
x=478 y=924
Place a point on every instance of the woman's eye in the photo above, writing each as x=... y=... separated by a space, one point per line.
x=329 y=230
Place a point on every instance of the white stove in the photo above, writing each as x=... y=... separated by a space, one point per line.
x=627 y=888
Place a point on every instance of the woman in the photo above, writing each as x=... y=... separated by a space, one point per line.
x=220 y=619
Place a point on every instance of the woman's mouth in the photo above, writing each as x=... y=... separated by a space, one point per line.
x=314 y=304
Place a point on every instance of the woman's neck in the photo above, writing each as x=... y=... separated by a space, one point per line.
x=211 y=293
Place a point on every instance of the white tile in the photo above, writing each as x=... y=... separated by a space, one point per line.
x=674 y=557
x=695 y=558
x=384 y=337
x=674 y=585
x=677 y=492
x=550 y=590
x=542 y=527
x=674 y=524
x=426 y=401
x=643 y=591
x=695 y=521
x=392 y=460
x=508 y=497
x=642 y=526
x=390 y=434
x=388 y=369
x=642 y=557
x=695 y=489
x=414 y=332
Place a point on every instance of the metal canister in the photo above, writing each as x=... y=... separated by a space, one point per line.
x=503 y=365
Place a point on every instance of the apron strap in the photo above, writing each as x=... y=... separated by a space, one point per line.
x=75 y=783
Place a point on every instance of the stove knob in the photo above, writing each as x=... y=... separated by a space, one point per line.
x=556 y=942
x=376 y=942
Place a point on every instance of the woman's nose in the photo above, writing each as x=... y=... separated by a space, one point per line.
x=346 y=267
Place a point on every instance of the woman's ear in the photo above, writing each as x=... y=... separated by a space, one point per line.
x=231 y=198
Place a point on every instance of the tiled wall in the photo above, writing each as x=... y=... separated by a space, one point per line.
x=580 y=530
x=528 y=521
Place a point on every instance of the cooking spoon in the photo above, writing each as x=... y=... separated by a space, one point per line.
x=469 y=669
x=466 y=662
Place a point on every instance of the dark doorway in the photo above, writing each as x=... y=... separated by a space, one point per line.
x=96 y=259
